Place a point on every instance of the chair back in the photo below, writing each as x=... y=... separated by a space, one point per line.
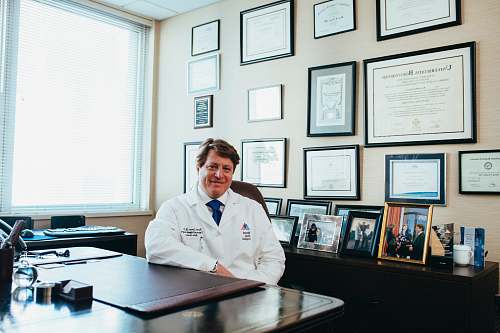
x=11 y=220
x=250 y=191
x=68 y=221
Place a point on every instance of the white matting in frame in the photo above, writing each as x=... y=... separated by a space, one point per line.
x=190 y=172
x=264 y=103
x=263 y=162
x=204 y=74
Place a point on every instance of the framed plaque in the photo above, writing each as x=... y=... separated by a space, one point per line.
x=203 y=74
x=334 y=17
x=422 y=97
x=479 y=171
x=263 y=162
x=205 y=38
x=190 y=172
x=203 y=111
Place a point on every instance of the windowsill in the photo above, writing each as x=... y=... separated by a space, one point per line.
x=87 y=215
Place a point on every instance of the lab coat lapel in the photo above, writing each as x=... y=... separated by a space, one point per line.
x=231 y=208
x=200 y=208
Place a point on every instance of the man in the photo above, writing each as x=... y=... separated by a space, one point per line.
x=213 y=229
x=417 y=248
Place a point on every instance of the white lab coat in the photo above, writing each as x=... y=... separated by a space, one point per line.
x=184 y=234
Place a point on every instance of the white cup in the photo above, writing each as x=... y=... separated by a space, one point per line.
x=462 y=254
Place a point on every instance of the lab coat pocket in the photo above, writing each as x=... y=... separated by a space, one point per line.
x=192 y=237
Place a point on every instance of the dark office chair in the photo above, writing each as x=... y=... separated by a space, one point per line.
x=11 y=220
x=250 y=191
x=69 y=221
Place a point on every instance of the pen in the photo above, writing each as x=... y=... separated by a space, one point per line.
x=75 y=262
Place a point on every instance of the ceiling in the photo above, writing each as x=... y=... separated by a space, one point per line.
x=158 y=9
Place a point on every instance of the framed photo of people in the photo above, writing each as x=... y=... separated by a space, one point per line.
x=266 y=32
x=334 y=17
x=205 y=38
x=417 y=178
x=344 y=210
x=331 y=172
x=284 y=228
x=204 y=74
x=479 y=171
x=421 y=97
x=320 y=232
x=203 y=112
x=397 y=18
x=264 y=103
x=405 y=232
x=273 y=205
x=263 y=162
x=190 y=172
x=331 y=104
x=298 y=207
x=362 y=234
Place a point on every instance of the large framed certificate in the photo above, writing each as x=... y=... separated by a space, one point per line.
x=264 y=162
x=205 y=38
x=190 y=172
x=396 y=18
x=416 y=178
x=204 y=74
x=334 y=17
x=422 y=97
x=331 y=172
x=266 y=32
x=479 y=171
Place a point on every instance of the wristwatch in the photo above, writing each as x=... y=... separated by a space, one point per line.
x=214 y=270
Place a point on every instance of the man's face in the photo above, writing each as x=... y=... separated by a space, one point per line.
x=216 y=174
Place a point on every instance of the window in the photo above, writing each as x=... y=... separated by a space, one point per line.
x=72 y=86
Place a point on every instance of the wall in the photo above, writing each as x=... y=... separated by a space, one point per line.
x=480 y=23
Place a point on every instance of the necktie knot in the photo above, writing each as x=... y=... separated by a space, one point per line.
x=216 y=213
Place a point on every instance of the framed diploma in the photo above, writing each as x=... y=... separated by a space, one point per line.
x=190 y=172
x=416 y=178
x=331 y=172
x=203 y=74
x=422 y=97
x=299 y=207
x=263 y=162
x=264 y=103
x=331 y=103
x=334 y=17
x=266 y=32
x=205 y=38
x=203 y=111
x=479 y=171
x=273 y=205
x=396 y=18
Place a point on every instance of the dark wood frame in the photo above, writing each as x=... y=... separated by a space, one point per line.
x=415 y=157
x=292 y=236
x=218 y=37
x=375 y=238
x=357 y=172
x=185 y=145
x=471 y=85
x=460 y=154
x=292 y=32
x=350 y=66
x=458 y=21
x=210 y=111
x=283 y=141
x=338 y=32
x=279 y=201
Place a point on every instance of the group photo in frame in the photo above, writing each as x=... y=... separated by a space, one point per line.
x=205 y=38
x=320 y=233
x=416 y=178
x=405 y=231
x=362 y=234
x=421 y=97
x=267 y=32
x=284 y=228
x=265 y=103
x=299 y=207
x=332 y=173
x=479 y=171
x=273 y=205
x=191 y=150
x=203 y=112
x=263 y=162
x=397 y=18
x=203 y=74
x=331 y=106
x=334 y=17
x=344 y=210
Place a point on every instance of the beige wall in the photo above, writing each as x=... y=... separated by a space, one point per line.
x=481 y=23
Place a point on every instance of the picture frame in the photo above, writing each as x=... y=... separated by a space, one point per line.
x=203 y=111
x=332 y=172
x=299 y=207
x=395 y=112
x=416 y=178
x=320 y=233
x=263 y=162
x=203 y=74
x=267 y=32
x=399 y=18
x=408 y=244
x=362 y=234
x=344 y=210
x=331 y=100
x=284 y=228
x=334 y=17
x=205 y=38
x=479 y=171
x=265 y=103
x=190 y=171
x=273 y=205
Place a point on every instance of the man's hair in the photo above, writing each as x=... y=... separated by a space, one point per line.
x=421 y=226
x=221 y=148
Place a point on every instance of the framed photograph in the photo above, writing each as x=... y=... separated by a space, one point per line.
x=264 y=162
x=416 y=178
x=405 y=232
x=190 y=172
x=331 y=103
x=266 y=32
x=331 y=172
x=479 y=171
x=284 y=228
x=320 y=233
x=297 y=207
x=422 y=97
x=334 y=17
x=205 y=38
x=344 y=210
x=203 y=111
x=397 y=18
x=273 y=205
x=362 y=234
x=204 y=74
x=264 y=103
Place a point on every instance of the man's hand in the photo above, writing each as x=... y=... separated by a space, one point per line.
x=223 y=271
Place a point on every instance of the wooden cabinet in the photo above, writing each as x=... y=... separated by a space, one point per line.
x=387 y=296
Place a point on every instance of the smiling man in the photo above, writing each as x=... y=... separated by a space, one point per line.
x=213 y=229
